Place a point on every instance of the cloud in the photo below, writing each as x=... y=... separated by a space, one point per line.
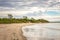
x=32 y=11
x=10 y=0
x=20 y=4
x=32 y=8
x=27 y=5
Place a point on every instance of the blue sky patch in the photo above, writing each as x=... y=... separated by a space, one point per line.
x=52 y=13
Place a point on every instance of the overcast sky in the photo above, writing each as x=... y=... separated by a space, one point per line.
x=47 y=9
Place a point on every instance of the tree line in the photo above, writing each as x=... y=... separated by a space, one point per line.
x=25 y=19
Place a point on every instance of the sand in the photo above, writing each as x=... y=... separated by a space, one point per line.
x=12 y=31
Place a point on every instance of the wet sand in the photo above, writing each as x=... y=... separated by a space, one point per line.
x=12 y=31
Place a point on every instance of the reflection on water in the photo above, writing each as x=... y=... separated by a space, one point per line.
x=45 y=31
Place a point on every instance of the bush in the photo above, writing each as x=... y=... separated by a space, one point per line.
x=22 y=20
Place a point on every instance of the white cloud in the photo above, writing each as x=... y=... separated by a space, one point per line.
x=29 y=6
x=25 y=11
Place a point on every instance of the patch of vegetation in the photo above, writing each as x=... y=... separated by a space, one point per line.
x=25 y=19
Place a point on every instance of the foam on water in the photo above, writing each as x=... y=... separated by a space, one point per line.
x=46 y=31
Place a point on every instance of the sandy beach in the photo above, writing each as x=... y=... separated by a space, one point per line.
x=12 y=31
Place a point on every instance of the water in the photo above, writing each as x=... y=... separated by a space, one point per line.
x=44 y=31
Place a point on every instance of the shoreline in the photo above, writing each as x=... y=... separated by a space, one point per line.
x=7 y=31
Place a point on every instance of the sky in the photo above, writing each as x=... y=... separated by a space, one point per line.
x=46 y=9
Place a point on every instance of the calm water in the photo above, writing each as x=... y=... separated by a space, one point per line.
x=44 y=30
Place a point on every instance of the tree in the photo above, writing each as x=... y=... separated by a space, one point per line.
x=25 y=17
x=43 y=21
x=33 y=20
x=10 y=16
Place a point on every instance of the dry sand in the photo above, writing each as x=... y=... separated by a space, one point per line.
x=12 y=31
